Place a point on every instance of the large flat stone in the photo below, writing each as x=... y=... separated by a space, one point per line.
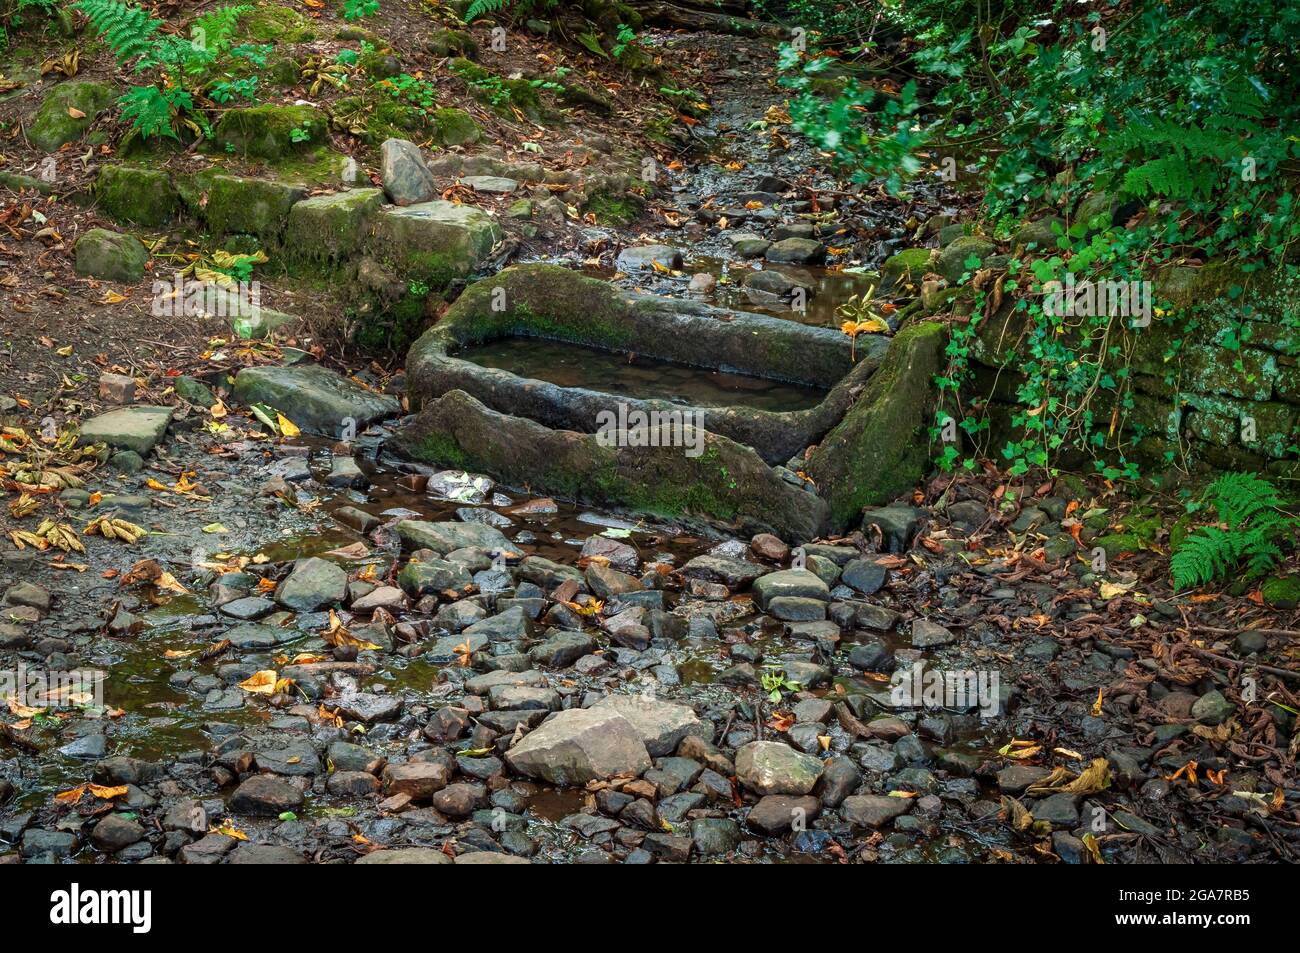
x=772 y=767
x=661 y=725
x=137 y=428
x=444 y=537
x=580 y=745
x=317 y=400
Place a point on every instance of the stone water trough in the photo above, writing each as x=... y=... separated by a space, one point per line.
x=531 y=432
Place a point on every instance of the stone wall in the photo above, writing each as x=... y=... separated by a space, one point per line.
x=1214 y=380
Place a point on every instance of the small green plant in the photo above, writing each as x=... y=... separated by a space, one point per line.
x=624 y=41
x=357 y=9
x=775 y=682
x=300 y=133
x=223 y=91
x=1252 y=527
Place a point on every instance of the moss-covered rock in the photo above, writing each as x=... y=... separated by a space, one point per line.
x=135 y=195
x=1281 y=592
x=274 y=23
x=434 y=242
x=584 y=97
x=615 y=208
x=67 y=112
x=112 y=256
x=453 y=43
x=557 y=304
x=725 y=483
x=455 y=127
x=271 y=132
x=952 y=259
x=326 y=229
x=24 y=183
x=881 y=448
x=1039 y=235
x=904 y=269
x=260 y=207
x=503 y=95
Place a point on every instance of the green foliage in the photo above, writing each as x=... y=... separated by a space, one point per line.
x=1182 y=112
x=775 y=682
x=886 y=150
x=184 y=65
x=128 y=30
x=357 y=9
x=1251 y=530
x=624 y=42
x=152 y=111
x=480 y=7
x=516 y=8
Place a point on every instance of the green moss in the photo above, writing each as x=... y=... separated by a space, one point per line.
x=906 y=267
x=544 y=307
x=1281 y=592
x=322 y=166
x=138 y=196
x=326 y=229
x=53 y=126
x=881 y=448
x=469 y=71
x=249 y=206
x=271 y=132
x=387 y=118
x=611 y=209
x=503 y=95
x=455 y=127
x=272 y=23
x=380 y=64
x=432 y=268
x=393 y=329
x=457 y=43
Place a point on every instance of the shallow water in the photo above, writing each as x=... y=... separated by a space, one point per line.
x=573 y=366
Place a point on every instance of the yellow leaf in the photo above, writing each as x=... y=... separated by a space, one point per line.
x=107 y=793
x=260 y=683
x=1094 y=850
x=229 y=829
x=167 y=581
x=287 y=426
x=1109 y=590
x=1096 y=706
x=76 y=113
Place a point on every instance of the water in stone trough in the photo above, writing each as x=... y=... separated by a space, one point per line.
x=574 y=366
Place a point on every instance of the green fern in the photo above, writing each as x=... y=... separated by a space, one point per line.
x=1252 y=527
x=152 y=111
x=479 y=7
x=128 y=31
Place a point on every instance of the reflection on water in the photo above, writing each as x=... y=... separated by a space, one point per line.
x=572 y=366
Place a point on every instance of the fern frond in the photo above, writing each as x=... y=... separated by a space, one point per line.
x=1257 y=528
x=479 y=7
x=1205 y=554
x=128 y=30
